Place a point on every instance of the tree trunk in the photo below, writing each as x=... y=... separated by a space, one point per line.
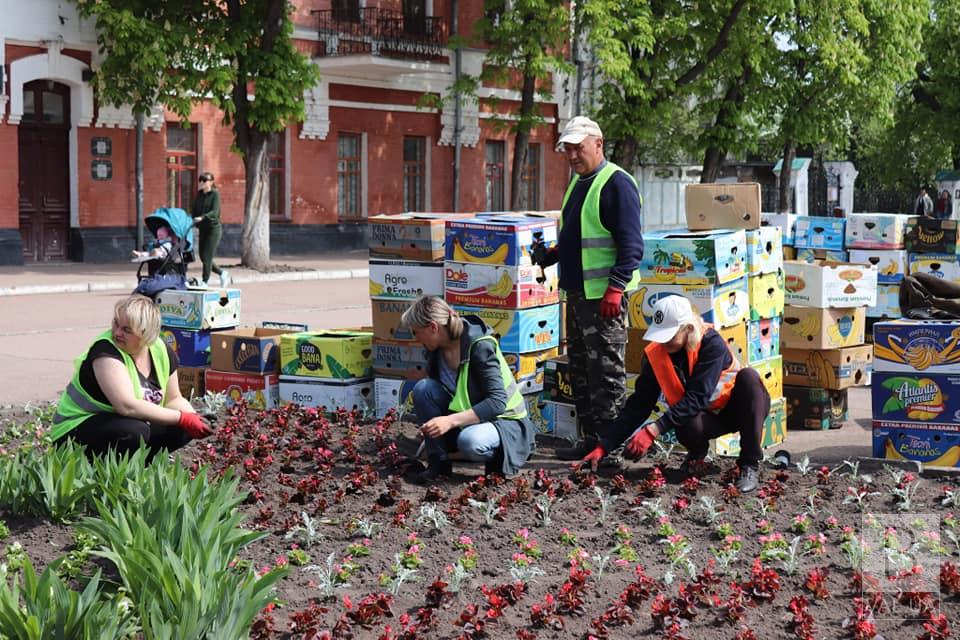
x=726 y=118
x=784 y=203
x=518 y=194
x=625 y=153
x=712 y=162
x=255 y=241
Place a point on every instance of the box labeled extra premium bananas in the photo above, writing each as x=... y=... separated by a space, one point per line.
x=917 y=346
x=816 y=328
x=891 y=264
x=405 y=279
x=945 y=266
x=913 y=400
x=930 y=447
x=501 y=286
x=499 y=240
x=828 y=368
x=829 y=284
x=723 y=306
x=681 y=256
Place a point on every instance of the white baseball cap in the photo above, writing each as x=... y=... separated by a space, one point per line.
x=669 y=314
x=579 y=128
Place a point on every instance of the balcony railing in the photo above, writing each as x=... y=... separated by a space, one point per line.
x=381 y=32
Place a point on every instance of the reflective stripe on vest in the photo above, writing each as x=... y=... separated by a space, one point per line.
x=598 y=249
x=516 y=407
x=76 y=405
x=670 y=384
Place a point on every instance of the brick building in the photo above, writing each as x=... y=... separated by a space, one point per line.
x=67 y=163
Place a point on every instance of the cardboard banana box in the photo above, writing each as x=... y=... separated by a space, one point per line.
x=505 y=287
x=763 y=339
x=812 y=409
x=722 y=306
x=828 y=369
x=520 y=330
x=766 y=295
x=929 y=447
x=876 y=230
x=764 y=250
x=945 y=266
x=830 y=284
x=816 y=328
x=916 y=400
x=499 y=240
x=917 y=346
x=405 y=279
x=681 y=256
x=774 y=432
x=819 y=232
x=787 y=223
x=888 y=303
x=891 y=264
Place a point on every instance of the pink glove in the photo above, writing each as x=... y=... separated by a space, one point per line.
x=194 y=425
x=640 y=442
x=611 y=303
x=593 y=458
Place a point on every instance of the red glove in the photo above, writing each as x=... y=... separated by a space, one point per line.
x=640 y=442
x=611 y=304
x=593 y=458
x=194 y=425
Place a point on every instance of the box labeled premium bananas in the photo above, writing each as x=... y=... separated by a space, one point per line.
x=498 y=240
x=774 y=432
x=945 y=266
x=405 y=279
x=828 y=368
x=813 y=409
x=816 y=328
x=766 y=295
x=722 y=306
x=764 y=250
x=888 y=303
x=336 y=355
x=504 y=287
x=771 y=375
x=410 y=236
x=829 y=284
x=787 y=223
x=876 y=230
x=930 y=235
x=819 y=232
x=917 y=346
x=763 y=339
x=681 y=256
x=931 y=448
x=891 y=264
x=520 y=330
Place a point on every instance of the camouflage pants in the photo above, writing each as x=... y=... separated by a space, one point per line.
x=595 y=347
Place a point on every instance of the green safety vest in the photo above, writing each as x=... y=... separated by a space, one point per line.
x=516 y=408
x=598 y=251
x=76 y=405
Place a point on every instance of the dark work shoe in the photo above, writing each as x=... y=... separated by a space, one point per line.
x=578 y=451
x=436 y=469
x=749 y=478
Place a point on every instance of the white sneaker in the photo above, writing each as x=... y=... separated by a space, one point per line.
x=202 y=284
x=225 y=279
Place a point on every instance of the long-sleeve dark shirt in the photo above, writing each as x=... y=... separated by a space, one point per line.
x=619 y=213
x=207 y=206
x=713 y=359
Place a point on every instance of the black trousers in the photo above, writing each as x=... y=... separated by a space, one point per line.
x=104 y=431
x=208 y=242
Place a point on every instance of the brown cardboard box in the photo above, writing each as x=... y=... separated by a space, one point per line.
x=246 y=350
x=828 y=369
x=633 y=358
x=816 y=328
x=386 y=319
x=191 y=381
x=723 y=206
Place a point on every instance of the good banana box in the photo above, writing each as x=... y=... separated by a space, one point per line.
x=723 y=306
x=818 y=232
x=829 y=284
x=520 y=330
x=680 y=256
x=763 y=339
x=917 y=346
x=931 y=448
x=313 y=392
x=500 y=240
x=876 y=230
x=504 y=287
x=528 y=368
x=764 y=250
x=812 y=409
x=888 y=303
x=194 y=309
x=766 y=295
x=410 y=236
x=945 y=266
x=815 y=328
x=828 y=368
x=812 y=255
x=771 y=375
x=787 y=223
x=337 y=355
x=259 y=391
x=774 y=432
x=397 y=359
x=929 y=235
x=913 y=400
x=405 y=279
x=891 y=264
x=192 y=347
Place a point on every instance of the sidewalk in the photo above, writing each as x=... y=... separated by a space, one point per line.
x=81 y=277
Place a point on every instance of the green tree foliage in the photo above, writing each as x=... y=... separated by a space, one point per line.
x=239 y=54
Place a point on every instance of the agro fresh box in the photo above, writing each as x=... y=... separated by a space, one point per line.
x=505 y=287
x=337 y=355
x=191 y=381
x=829 y=284
x=812 y=409
x=763 y=339
x=930 y=235
x=818 y=232
x=921 y=346
x=736 y=337
x=248 y=349
x=787 y=223
x=812 y=255
x=314 y=392
x=929 y=447
x=399 y=359
x=766 y=295
x=259 y=391
x=193 y=309
x=816 y=328
x=192 y=347
x=916 y=400
x=680 y=256
x=771 y=375
x=722 y=306
x=405 y=279
x=942 y=265
x=774 y=432
x=564 y=420
x=891 y=264
x=393 y=393
x=764 y=250
x=875 y=230
x=503 y=240
x=386 y=319
x=888 y=303
x=717 y=206
x=410 y=236
x=527 y=368
x=828 y=368
x=520 y=330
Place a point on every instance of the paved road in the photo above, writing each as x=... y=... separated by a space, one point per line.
x=41 y=335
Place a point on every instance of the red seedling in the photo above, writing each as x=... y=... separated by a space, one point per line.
x=935 y=627
x=801 y=624
x=764 y=582
x=545 y=615
x=949 y=579
x=437 y=593
x=691 y=485
x=570 y=598
x=816 y=583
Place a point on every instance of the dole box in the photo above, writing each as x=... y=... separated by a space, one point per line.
x=876 y=230
x=724 y=306
x=405 y=279
x=502 y=286
x=336 y=355
x=680 y=256
x=520 y=330
x=248 y=349
x=199 y=309
x=911 y=400
x=829 y=284
x=917 y=346
x=500 y=240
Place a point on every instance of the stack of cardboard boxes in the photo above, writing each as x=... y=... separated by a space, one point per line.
x=879 y=239
x=327 y=369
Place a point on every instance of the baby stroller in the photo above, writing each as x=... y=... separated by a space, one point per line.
x=166 y=257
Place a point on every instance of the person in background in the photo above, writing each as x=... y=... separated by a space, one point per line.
x=469 y=401
x=923 y=205
x=125 y=390
x=691 y=367
x=206 y=217
x=943 y=208
x=599 y=249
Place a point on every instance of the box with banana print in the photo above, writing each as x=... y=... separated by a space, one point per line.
x=829 y=284
x=914 y=400
x=828 y=368
x=945 y=266
x=723 y=306
x=888 y=303
x=930 y=447
x=891 y=264
x=876 y=230
x=917 y=346
x=681 y=256
x=499 y=240
x=815 y=328
x=520 y=330
x=501 y=286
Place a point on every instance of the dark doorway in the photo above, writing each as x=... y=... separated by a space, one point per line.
x=44 y=170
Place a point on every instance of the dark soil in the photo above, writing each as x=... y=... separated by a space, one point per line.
x=340 y=470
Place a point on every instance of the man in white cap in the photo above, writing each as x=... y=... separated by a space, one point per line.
x=691 y=368
x=599 y=250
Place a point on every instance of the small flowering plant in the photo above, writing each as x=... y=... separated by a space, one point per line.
x=801 y=523
x=568 y=538
x=410 y=558
x=528 y=546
